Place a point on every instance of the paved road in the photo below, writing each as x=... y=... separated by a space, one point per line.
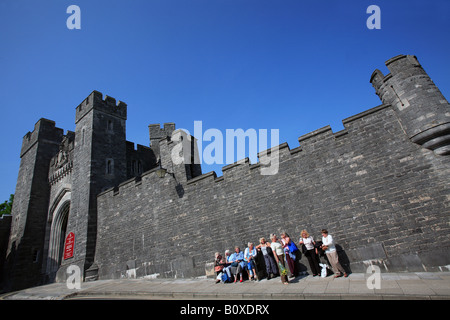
x=421 y=285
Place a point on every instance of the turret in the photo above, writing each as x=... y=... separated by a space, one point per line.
x=108 y=105
x=29 y=211
x=157 y=133
x=423 y=111
x=176 y=150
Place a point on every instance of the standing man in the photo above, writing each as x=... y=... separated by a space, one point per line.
x=330 y=250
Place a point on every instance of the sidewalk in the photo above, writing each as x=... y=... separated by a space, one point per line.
x=419 y=285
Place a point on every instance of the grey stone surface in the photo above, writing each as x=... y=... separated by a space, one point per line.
x=349 y=288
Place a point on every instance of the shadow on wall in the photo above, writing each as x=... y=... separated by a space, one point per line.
x=342 y=256
x=343 y=259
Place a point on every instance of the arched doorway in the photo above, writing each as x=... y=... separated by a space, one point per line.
x=61 y=228
x=58 y=234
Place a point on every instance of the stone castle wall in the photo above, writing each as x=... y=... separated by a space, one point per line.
x=383 y=198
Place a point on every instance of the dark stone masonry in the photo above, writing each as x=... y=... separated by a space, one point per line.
x=380 y=186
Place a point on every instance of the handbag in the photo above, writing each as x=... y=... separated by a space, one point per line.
x=292 y=247
x=218 y=268
x=304 y=250
x=225 y=278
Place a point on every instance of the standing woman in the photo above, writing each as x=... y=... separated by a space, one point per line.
x=279 y=257
x=271 y=266
x=249 y=254
x=311 y=252
x=292 y=253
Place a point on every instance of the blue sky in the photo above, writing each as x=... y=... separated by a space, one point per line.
x=292 y=65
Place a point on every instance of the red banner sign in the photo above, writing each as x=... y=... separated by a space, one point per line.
x=69 y=245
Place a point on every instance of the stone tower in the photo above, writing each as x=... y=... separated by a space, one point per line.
x=99 y=163
x=422 y=109
x=26 y=243
x=176 y=150
x=157 y=133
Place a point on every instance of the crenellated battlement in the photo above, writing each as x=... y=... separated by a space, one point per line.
x=311 y=146
x=108 y=105
x=157 y=133
x=44 y=129
x=131 y=146
x=403 y=69
x=422 y=109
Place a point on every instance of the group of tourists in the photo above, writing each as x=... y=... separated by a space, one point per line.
x=279 y=256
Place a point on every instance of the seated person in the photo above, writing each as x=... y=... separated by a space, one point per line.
x=237 y=260
x=227 y=266
x=249 y=254
x=219 y=263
